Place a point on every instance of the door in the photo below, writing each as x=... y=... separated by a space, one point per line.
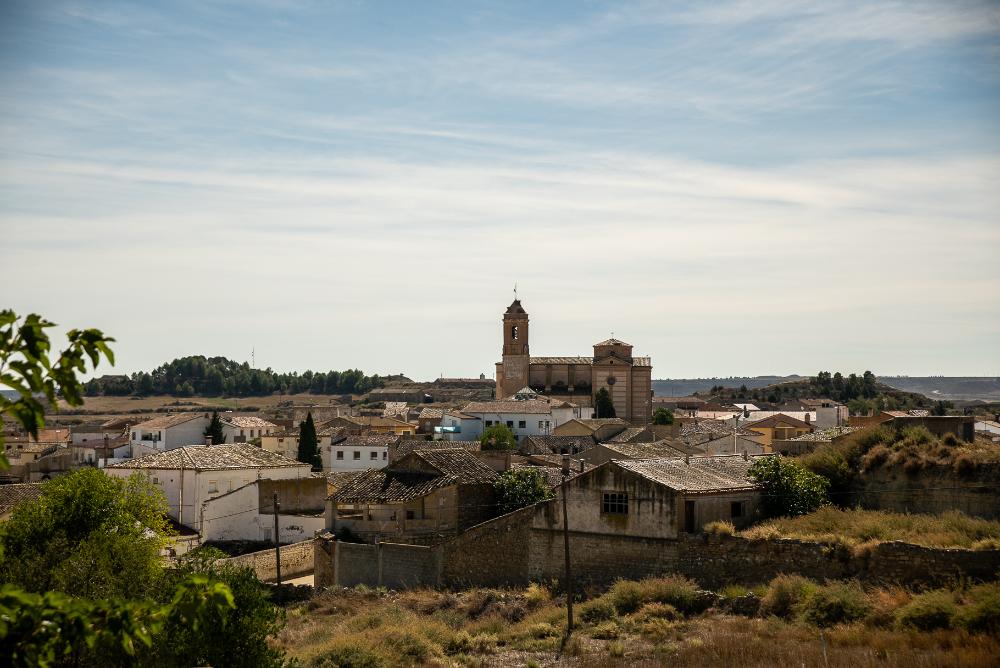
x=689 y=516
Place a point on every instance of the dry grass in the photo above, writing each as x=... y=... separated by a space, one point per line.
x=111 y=406
x=647 y=623
x=865 y=527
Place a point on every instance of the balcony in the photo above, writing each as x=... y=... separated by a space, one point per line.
x=457 y=429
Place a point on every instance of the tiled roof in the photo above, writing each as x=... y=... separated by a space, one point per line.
x=779 y=418
x=552 y=474
x=533 y=407
x=612 y=342
x=368 y=441
x=210 y=458
x=376 y=421
x=644 y=450
x=515 y=307
x=597 y=423
x=11 y=495
x=556 y=444
x=698 y=475
x=628 y=435
x=396 y=484
x=169 y=420
x=337 y=479
x=713 y=428
x=561 y=360
x=430 y=414
x=393 y=408
x=406 y=446
x=249 y=422
x=825 y=434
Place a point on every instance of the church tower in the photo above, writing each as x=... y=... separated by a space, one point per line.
x=512 y=372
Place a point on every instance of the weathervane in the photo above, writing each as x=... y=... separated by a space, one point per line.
x=515 y=290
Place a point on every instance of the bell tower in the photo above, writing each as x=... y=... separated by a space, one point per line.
x=512 y=372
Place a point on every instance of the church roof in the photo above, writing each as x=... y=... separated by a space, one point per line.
x=613 y=342
x=562 y=360
x=516 y=308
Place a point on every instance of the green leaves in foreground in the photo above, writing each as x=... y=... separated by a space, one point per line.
x=50 y=628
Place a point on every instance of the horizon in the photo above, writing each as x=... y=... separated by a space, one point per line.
x=737 y=186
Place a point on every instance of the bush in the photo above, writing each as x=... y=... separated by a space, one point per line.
x=835 y=604
x=983 y=611
x=929 y=611
x=348 y=656
x=537 y=594
x=719 y=528
x=658 y=611
x=783 y=595
x=605 y=631
x=677 y=591
x=788 y=488
x=627 y=596
x=597 y=610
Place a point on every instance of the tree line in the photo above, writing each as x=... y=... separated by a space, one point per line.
x=197 y=375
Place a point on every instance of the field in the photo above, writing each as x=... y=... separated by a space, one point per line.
x=110 y=406
x=666 y=621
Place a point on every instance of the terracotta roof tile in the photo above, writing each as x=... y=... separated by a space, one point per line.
x=210 y=457
x=697 y=475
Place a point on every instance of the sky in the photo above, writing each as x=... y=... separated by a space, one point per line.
x=735 y=188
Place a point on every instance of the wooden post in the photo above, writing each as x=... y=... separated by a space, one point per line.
x=569 y=572
x=277 y=549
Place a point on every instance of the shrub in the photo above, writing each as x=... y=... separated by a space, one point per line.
x=616 y=648
x=875 y=458
x=627 y=596
x=788 y=488
x=537 y=594
x=929 y=611
x=348 y=656
x=720 y=528
x=964 y=464
x=835 y=604
x=605 y=631
x=658 y=611
x=983 y=612
x=597 y=610
x=676 y=590
x=950 y=440
x=409 y=645
x=542 y=630
x=784 y=593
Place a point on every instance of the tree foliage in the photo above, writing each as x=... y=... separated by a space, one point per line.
x=26 y=368
x=198 y=375
x=663 y=416
x=498 y=437
x=309 y=444
x=214 y=429
x=605 y=408
x=517 y=488
x=788 y=488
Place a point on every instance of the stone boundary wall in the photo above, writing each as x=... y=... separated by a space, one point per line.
x=492 y=554
x=296 y=560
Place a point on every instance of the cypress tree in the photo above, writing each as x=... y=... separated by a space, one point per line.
x=308 y=445
x=605 y=407
x=215 y=429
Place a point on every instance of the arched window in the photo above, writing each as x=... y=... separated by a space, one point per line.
x=513 y=333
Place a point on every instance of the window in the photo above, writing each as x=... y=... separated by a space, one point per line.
x=510 y=424
x=513 y=333
x=521 y=424
x=547 y=424
x=614 y=503
x=213 y=486
x=156 y=481
x=489 y=423
x=374 y=455
x=133 y=436
x=736 y=509
x=410 y=515
x=385 y=454
x=357 y=454
x=340 y=454
x=540 y=423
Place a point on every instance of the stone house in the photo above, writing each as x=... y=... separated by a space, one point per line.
x=556 y=445
x=606 y=452
x=247 y=512
x=355 y=453
x=428 y=419
x=537 y=416
x=358 y=425
x=600 y=429
x=243 y=428
x=166 y=432
x=424 y=497
x=405 y=446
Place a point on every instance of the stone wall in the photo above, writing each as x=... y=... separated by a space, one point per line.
x=407 y=566
x=598 y=559
x=935 y=489
x=492 y=554
x=296 y=560
x=353 y=564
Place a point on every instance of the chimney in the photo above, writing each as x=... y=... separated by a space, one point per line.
x=208 y=440
x=582 y=464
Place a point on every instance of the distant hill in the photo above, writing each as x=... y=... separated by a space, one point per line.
x=952 y=388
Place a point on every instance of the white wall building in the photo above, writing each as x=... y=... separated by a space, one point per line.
x=358 y=453
x=191 y=475
x=458 y=426
x=532 y=417
x=243 y=428
x=167 y=432
x=247 y=512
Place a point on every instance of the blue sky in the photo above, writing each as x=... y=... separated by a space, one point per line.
x=733 y=187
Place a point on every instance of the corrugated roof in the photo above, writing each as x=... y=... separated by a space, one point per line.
x=211 y=457
x=698 y=475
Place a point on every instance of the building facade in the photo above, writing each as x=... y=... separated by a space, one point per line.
x=628 y=379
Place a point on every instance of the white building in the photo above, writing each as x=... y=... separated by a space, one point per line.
x=458 y=426
x=167 y=432
x=530 y=417
x=194 y=474
x=243 y=428
x=358 y=453
x=247 y=512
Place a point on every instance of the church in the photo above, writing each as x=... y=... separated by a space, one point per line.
x=577 y=380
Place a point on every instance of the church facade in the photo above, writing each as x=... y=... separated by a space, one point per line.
x=628 y=379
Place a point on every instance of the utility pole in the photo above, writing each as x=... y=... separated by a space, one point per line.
x=569 y=573
x=277 y=550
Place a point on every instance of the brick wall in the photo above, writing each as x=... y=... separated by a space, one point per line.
x=354 y=564
x=296 y=560
x=407 y=566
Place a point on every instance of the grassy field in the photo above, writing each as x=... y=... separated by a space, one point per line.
x=667 y=621
x=859 y=527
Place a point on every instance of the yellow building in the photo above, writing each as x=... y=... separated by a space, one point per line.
x=779 y=428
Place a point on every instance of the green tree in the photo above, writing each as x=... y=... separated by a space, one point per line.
x=663 y=416
x=214 y=429
x=498 y=437
x=517 y=488
x=604 y=406
x=308 y=444
x=788 y=488
x=88 y=534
